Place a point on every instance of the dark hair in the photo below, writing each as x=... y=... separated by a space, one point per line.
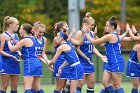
x=105 y=33
x=27 y=27
x=113 y=22
x=58 y=26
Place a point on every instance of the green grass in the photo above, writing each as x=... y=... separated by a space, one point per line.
x=48 y=88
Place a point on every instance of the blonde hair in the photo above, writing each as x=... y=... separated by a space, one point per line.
x=88 y=18
x=88 y=15
x=37 y=25
x=7 y=21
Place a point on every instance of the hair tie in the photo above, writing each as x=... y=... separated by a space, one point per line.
x=36 y=23
x=55 y=26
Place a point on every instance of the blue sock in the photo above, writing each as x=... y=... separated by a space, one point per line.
x=134 y=90
x=90 y=90
x=120 y=90
x=56 y=91
x=2 y=91
x=28 y=91
x=63 y=91
x=109 y=89
x=13 y=91
x=78 y=90
x=33 y=91
x=102 y=91
x=41 y=91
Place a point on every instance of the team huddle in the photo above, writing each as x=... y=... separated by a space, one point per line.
x=72 y=63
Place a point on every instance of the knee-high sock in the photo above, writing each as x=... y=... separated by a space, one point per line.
x=28 y=91
x=134 y=90
x=102 y=91
x=13 y=91
x=63 y=91
x=120 y=90
x=90 y=90
x=56 y=91
x=41 y=91
x=2 y=91
x=109 y=89
x=78 y=90
x=33 y=90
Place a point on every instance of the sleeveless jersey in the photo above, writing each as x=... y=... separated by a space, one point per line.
x=39 y=46
x=113 y=51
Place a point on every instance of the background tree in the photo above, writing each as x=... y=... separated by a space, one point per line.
x=51 y=11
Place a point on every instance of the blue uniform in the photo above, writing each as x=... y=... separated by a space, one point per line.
x=32 y=65
x=39 y=46
x=75 y=67
x=57 y=64
x=10 y=65
x=115 y=59
x=1 y=69
x=133 y=66
x=87 y=49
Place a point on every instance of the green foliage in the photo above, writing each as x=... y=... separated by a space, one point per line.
x=51 y=11
x=102 y=10
x=46 y=11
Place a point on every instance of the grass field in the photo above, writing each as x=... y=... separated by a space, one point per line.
x=48 y=88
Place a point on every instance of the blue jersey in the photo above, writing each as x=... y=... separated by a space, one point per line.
x=133 y=57
x=1 y=65
x=113 y=51
x=60 y=58
x=29 y=52
x=75 y=67
x=65 y=71
x=6 y=47
x=87 y=49
x=115 y=59
x=10 y=65
x=70 y=56
x=39 y=46
x=133 y=66
x=32 y=65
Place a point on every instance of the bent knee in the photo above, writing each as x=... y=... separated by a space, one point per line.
x=14 y=86
x=91 y=83
x=4 y=86
x=117 y=85
x=105 y=83
x=135 y=85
